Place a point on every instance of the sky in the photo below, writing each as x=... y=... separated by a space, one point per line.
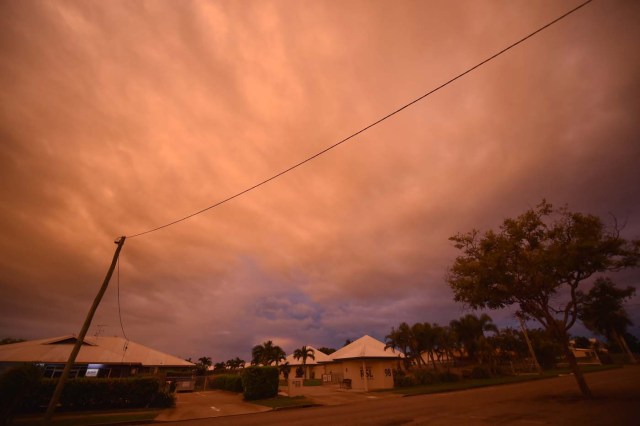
x=117 y=117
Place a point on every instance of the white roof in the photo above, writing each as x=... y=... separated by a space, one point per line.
x=95 y=350
x=319 y=357
x=365 y=347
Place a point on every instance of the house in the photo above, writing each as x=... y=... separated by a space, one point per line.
x=315 y=366
x=98 y=357
x=365 y=363
x=584 y=355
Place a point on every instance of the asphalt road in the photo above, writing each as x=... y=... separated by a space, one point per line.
x=554 y=401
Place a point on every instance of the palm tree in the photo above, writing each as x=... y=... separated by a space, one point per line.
x=400 y=339
x=602 y=312
x=203 y=365
x=235 y=363
x=446 y=343
x=266 y=354
x=426 y=336
x=470 y=330
x=304 y=353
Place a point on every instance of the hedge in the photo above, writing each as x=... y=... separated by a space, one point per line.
x=260 y=382
x=16 y=385
x=227 y=382
x=91 y=394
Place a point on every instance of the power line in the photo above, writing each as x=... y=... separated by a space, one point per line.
x=295 y=166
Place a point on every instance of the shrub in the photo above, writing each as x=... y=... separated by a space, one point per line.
x=401 y=380
x=17 y=384
x=227 y=382
x=164 y=400
x=425 y=377
x=260 y=382
x=448 y=376
x=604 y=357
x=480 y=372
x=91 y=394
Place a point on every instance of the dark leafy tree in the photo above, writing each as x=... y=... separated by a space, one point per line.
x=546 y=349
x=235 y=363
x=326 y=351
x=470 y=330
x=202 y=366
x=304 y=353
x=266 y=354
x=582 y=342
x=632 y=342
x=400 y=339
x=537 y=261
x=602 y=311
x=285 y=369
x=16 y=384
x=446 y=344
x=10 y=340
x=510 y=345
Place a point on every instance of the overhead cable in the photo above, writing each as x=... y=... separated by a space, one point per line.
x=391 y=114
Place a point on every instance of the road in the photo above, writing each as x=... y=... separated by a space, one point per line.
x=554 y=401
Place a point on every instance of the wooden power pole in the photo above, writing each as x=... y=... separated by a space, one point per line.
x=46 y=421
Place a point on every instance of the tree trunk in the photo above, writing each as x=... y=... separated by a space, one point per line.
x=531 y=351
x=573 y=364
x=433 y=361
x=623 y=343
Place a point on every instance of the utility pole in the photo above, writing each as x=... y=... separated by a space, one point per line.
x=46 y=421
x=520 y=317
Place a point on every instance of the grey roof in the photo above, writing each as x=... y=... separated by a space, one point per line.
x=95 y=350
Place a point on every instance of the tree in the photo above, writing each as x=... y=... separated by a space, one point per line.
x=581 y=342
x=10 y=340
x=602 y=311
x=326 y=351
x=546 y=349
x=470 y=331
x=537 y=261
x=400 y=339
x=446 y=343
x=203 y=365
x=304 y=353
x=285 y=369
x=510 y=345
x=16 y=384
x=235 y=363
x=266 y=354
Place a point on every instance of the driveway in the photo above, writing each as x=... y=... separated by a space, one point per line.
x=200 y=405
x=334 y=395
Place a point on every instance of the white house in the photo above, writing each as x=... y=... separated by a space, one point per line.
x=365 y=363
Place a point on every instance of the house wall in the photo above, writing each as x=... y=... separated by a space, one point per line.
x=379 y=373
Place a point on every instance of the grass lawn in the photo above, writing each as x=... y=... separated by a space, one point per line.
x=281 y=402
x=477 y=383
x=90 y=417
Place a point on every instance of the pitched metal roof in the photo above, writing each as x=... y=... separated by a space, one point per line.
x=319 y=357
x=95 y=350
x=365 y=347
